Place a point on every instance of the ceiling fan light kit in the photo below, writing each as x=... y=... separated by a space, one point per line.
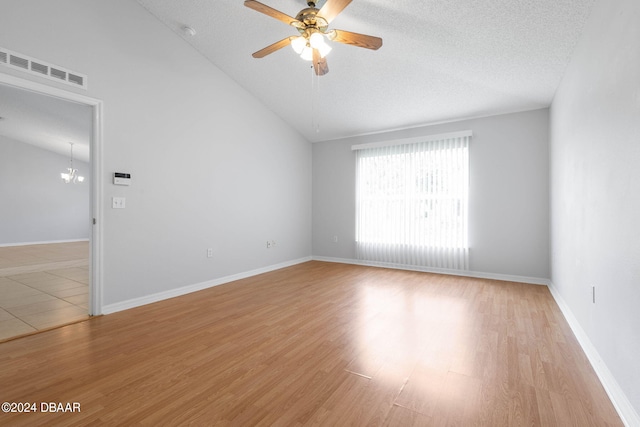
x=313 y=26
x=307 y=53
x=298 y=44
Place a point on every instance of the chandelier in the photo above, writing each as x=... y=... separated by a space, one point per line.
x=71 y=174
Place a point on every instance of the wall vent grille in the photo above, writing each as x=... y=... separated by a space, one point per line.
x=39 y=68
x=58 y=74
x=33 y=66
x=75 y=78
x=19 y=62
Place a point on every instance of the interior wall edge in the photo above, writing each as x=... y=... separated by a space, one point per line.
x=618 y=398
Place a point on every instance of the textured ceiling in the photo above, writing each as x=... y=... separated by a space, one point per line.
x=440 y=61
x=45 y=121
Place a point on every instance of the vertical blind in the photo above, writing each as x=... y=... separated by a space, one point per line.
x=411 y=202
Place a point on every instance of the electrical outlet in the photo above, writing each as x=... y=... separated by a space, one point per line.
x=335 y=239
x=268 y=244
x=210 y=253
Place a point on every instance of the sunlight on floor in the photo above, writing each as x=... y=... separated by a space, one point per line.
x=398 y=327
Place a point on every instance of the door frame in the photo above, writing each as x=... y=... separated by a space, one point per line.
x=96 y=190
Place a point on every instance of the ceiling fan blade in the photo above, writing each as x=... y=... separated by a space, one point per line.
x=319 y=64
x=272 y=48
x=332 y=8
x=355 y=39
x=263 y=8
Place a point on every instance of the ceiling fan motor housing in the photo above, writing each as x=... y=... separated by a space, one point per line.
x=309 y=17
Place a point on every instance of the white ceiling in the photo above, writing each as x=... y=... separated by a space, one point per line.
x=440 y=61
x=45 y=121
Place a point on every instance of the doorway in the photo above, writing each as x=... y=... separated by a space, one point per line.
x=59 y=257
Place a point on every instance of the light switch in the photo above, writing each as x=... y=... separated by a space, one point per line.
x=118 y=202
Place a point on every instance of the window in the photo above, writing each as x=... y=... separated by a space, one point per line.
x=411 y=201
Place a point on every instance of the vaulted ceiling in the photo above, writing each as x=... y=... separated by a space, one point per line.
x=440 y=61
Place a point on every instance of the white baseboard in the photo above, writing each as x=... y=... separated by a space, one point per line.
x=465 y=273
x=627 y=413
x=48 y=242
x=148 y=299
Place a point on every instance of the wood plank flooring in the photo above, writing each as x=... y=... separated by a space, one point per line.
x=42 y=286
x=317 y=344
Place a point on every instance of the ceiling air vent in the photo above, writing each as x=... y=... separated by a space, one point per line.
x=39 y=68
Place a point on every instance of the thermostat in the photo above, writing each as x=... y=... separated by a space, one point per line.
x=120 y=178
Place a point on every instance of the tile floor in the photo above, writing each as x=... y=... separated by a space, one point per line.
x=42 y=286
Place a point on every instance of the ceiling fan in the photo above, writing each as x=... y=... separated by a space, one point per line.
x=313 y=26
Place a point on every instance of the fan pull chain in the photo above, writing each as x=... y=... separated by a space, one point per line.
x=312 y=98
x=315 y=95
x=318 y=103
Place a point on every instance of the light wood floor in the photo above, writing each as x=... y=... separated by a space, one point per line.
x=42 y=286
x=317 y=344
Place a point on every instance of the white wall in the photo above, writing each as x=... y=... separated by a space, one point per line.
x=211 y=166
x=36 y=205
x=595 y=188
x=509 y=205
